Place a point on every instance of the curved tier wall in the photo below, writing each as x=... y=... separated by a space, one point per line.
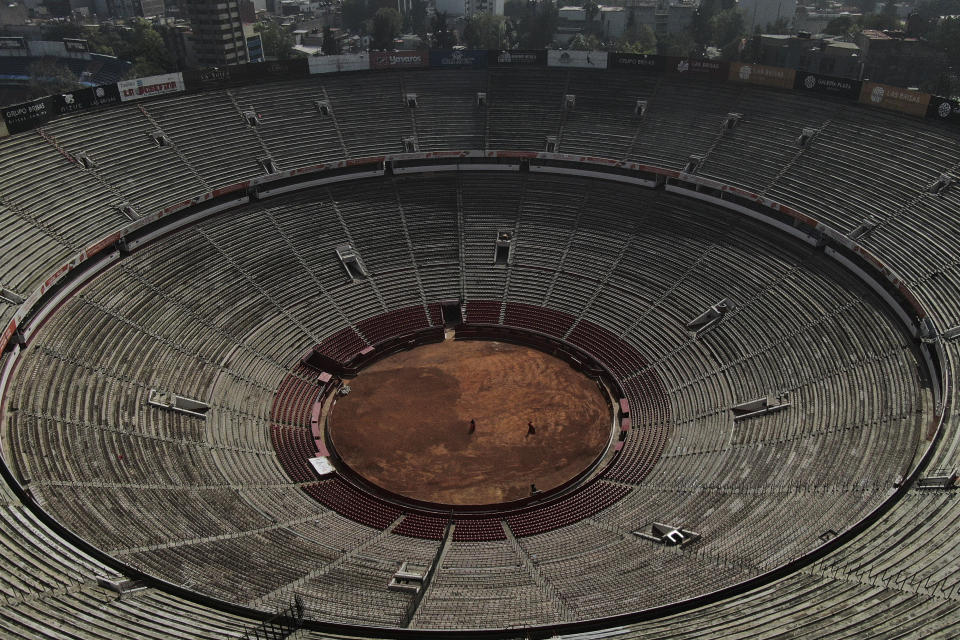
x=235 y=353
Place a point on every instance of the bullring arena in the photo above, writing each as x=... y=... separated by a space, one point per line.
x=734 y=340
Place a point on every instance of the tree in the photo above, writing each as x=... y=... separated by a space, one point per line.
x=441 y=35
x=701 y=25
x=386 y=27
x=637 y=39
x=582 y=42
x=590 y=11
x=538 y=24
x=877 y=21
x=838 y=26
x=728 y=32
x=933 y=9
x=277 y=41
x=945 y=37
x=60 y=30
x=514 y=9
x=486 y=31
x=354 y=14
x=141 y=43
x=781 y=26
x=48 y=77
x=676 y=44
x=330 y=45
x=865 y=6
x=57 y=8
x=105 y=40
x=415 y=20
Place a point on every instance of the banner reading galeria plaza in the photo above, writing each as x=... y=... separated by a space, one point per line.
x=150 y=86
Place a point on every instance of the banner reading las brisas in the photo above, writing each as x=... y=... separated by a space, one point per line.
x=763 y=75
x=894 y=98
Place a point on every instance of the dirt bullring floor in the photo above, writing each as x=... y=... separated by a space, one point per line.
x=405 y=425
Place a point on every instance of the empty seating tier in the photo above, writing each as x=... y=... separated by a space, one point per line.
x=224 y=505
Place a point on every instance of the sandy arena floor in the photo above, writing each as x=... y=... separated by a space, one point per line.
x=405 y=424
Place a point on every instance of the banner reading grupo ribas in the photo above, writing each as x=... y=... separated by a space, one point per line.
x=894 y=98
x=639 y=61
x=762 y=75
x=28 y=115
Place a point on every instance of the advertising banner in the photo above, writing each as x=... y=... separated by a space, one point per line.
x=827 y=85
x=944 y=109
x=578 y=59
x=150 y=86
x=8 y=333
x=342 y=62
x=894 y=98
x=639 y=61
x=83 y=99
x=28 y=115
x=12 y=43
x=517 y=57
x=75 y=45
x=277 y=69
x=698 y=68
x=471 y=58
x=763 y=75
x=201 y=79
x=3 y=129
x=398 y=59
x=234 y=75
